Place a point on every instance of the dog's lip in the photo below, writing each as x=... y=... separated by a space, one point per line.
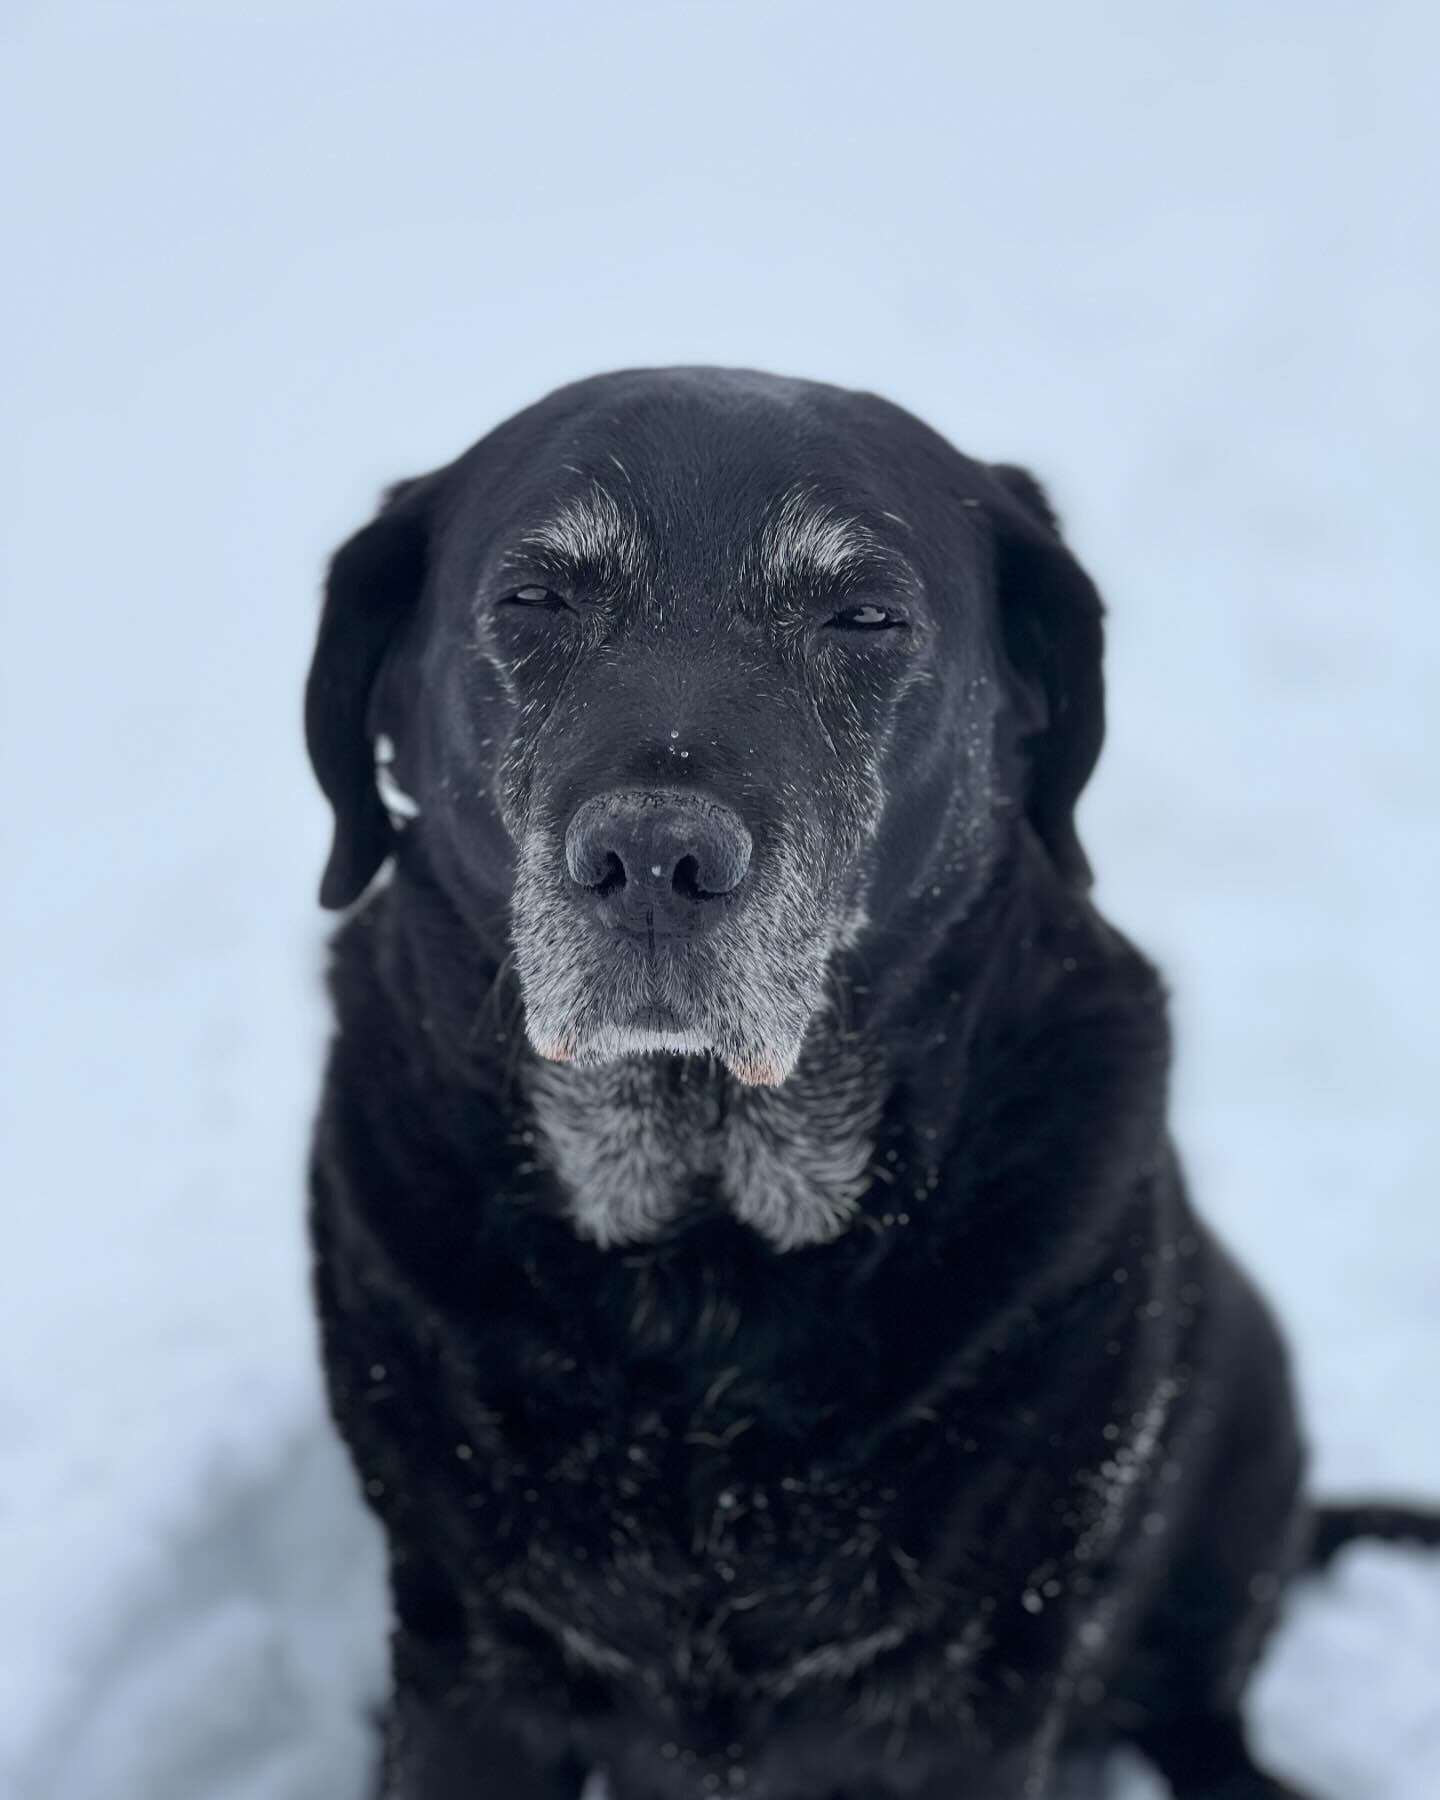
x=678 y=1034
x=650 y=1027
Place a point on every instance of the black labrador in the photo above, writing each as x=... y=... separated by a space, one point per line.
x=757 y=1287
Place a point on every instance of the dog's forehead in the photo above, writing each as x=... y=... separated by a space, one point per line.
x=673 y=476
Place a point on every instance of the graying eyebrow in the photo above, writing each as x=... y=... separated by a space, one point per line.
x=810 y=541
x=588 y=532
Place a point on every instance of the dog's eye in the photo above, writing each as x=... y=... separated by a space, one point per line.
x=867 y=617
x=544 y=598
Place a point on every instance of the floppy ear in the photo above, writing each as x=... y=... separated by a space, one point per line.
x=373 y=586
x=1050 y=615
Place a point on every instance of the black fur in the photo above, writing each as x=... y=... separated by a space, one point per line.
x=1007 y=1469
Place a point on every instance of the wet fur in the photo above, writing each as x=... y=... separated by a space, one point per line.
x=896 y=1429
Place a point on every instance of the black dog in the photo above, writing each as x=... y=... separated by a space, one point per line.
x=757 y=1287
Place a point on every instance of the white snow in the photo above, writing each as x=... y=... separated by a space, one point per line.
x=262 y=258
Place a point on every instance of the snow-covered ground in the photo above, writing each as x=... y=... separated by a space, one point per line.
x=264 y=255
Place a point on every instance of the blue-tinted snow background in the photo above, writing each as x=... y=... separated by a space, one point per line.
x=265 y=255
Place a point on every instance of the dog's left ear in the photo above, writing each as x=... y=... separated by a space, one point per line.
x=1050 y=616
x=374 y=585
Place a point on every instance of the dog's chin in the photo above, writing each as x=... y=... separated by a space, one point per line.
x=754 y=1065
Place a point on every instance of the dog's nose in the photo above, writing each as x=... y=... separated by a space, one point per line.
x=654 y=858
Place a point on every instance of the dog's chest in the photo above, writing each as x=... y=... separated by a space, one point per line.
x=694 y=1544
x=639 y=1144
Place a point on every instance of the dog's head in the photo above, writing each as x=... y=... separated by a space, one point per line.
x=704 y=674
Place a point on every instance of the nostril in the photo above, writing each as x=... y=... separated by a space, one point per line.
x=686 y=879
x=716 y=863
x=612 y=877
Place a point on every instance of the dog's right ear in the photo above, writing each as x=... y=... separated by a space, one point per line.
x=374 y=585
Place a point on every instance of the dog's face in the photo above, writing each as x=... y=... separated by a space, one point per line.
x=704 y=675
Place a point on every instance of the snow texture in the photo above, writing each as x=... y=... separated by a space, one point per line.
x=264 y=257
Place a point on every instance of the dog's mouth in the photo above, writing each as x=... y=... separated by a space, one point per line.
x=592 y=1000
x=757 y=1068
x=662 y=1029
x=649 y=1028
